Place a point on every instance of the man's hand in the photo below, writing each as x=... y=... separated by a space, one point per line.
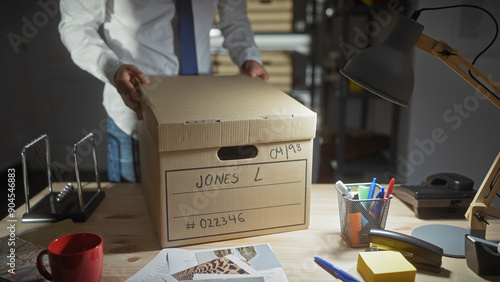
x=254 y=69
x=127 y=79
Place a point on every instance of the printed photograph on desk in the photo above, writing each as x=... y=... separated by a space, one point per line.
x=228 y=266
x=251 y=263
x=243 y=263
x=258 y=257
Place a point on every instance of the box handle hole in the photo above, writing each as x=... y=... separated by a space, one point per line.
x=237 y=152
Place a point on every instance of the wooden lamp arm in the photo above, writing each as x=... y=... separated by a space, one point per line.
x=455 y=61
x=477 y=214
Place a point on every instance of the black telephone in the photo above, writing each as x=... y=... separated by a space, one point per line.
x=448 y=191
x=443 y=186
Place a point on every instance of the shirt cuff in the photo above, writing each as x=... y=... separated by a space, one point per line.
x=251 y=54
x=108 y=65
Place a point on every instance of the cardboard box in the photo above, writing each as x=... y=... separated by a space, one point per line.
x=278 y=64
x=224 y=157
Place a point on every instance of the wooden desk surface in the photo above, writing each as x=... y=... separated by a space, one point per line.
x=130 y=242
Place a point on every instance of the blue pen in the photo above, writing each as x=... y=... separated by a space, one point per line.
x=339 y=273
x=372 y=188
x=381 y=193
x=377 y=207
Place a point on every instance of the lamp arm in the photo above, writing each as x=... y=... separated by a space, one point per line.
x=455 y=61
x=477 y=213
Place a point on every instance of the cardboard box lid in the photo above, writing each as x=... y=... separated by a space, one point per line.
x=191 y=112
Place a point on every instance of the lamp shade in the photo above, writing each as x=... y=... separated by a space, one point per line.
x=386 y=69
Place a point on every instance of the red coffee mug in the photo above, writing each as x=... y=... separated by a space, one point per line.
x=74 y=257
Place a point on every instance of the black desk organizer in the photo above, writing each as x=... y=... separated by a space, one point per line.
x=481 y=258
x=66 y=204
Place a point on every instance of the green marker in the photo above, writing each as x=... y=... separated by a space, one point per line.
x=363 y=192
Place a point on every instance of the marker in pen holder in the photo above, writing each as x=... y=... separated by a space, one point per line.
x=358 y=216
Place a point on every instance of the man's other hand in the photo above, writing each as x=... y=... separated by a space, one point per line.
x=254 y=69
x=127 y=79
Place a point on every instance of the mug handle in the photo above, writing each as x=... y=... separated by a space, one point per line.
x=41 y=267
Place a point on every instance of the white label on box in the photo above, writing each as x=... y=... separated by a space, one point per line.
x=211 y=201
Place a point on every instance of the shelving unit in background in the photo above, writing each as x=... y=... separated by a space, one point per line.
x=283 y=34
x=284 y=44
x=300 y=47
x=361 y=129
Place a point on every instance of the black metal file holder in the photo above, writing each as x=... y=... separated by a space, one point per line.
x=67 y=204
x=481 y=258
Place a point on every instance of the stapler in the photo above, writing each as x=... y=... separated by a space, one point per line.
x=423 y=255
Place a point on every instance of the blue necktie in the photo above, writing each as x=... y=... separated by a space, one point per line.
x=187 y=44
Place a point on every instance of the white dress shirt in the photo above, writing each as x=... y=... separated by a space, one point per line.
x=144 y=33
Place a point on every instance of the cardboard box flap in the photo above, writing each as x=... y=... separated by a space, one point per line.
x=213 y=111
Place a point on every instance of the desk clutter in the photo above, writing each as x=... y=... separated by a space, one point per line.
x=363 y=213
x=362 y=206
x=392 y=256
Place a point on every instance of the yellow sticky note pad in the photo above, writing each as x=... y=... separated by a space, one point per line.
x=385 y=266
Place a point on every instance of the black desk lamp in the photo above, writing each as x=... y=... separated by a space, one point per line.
x=386 y=71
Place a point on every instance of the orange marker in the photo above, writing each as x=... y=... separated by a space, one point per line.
x=355 y=227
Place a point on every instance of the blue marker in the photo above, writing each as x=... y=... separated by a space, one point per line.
x=377 y=207
x=378 y=204
x=337 y=272
x=372 y=189
x=381 y=193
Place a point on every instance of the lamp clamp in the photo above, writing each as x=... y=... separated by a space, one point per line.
x=447 y=53
x=480 y=217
